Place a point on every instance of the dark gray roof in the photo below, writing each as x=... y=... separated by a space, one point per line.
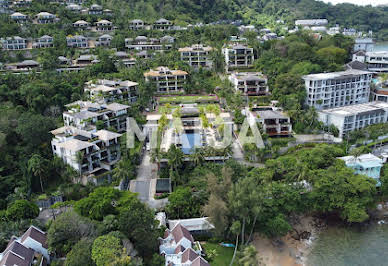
x=270 y=114
x=356 y=65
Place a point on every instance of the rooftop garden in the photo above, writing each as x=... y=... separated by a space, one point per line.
x=187 y=99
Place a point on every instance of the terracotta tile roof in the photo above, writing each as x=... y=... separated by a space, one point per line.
x=199 y=261
x=37 y=235
x=189 y=255
x=180 y=232
x=382 y=92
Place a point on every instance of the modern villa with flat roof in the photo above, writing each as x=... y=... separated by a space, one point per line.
x=198 y=130
x=109 y=91
x=250 y=83
x=238 y=56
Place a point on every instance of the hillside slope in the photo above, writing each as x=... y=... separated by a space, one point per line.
x=260 y=12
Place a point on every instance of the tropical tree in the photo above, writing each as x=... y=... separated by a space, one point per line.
x=249 y=257
x=175 y=158
x=235 y=229
x=124 y=170
x=37 y=166
x=197 y=156
x=106 y=249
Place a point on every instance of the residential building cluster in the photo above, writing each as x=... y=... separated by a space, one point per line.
x=19 y=43
x=29 y=249
x=89 y=141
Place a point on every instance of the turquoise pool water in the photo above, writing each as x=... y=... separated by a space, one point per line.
x=189 y=141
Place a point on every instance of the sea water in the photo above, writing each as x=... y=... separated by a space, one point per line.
x=343 y=246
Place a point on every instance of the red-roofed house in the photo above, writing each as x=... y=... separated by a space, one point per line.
x=178 y=247
x=29 y=249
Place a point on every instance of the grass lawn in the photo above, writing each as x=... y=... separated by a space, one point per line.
x=224 y=254
x=187 y=99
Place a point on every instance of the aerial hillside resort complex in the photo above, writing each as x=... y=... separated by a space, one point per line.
x=193 y=133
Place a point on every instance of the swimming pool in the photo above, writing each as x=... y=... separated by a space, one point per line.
x=189 y=140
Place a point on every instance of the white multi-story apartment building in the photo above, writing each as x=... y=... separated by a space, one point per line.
x=104 y=25
x=136 y=24
x=89 y=153
x=112 y=90
x=95 y=10
x=328 y=90
x=142 y=43
x=250 y=83
x=166 y=80
x=197 y=56
x=162 y=24
x=363 y=44
x=91 y=116
x=19 y=17
x=377 y=61
x=22 y=3
x=81 y=24
x=44 y=42
x=74 y=7
x=77 y=41
x=4 y=7
x=45 y=18
x=354 y=117
x=238 y=56
x=104 y=40
x=311 y=22
x=14 y=43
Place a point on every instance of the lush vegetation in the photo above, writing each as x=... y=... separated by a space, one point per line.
x=241 y=201
x=103 y=223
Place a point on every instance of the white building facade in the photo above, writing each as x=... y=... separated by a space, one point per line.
x=354 y=117
x=336 y=89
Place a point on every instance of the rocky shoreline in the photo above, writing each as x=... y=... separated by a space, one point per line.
x=293 y=248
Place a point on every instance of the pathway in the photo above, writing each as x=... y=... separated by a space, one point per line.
x=144 y=184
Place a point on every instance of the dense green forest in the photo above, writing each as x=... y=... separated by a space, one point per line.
x=261 y=13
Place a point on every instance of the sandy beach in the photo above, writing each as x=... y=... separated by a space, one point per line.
x=287 y=251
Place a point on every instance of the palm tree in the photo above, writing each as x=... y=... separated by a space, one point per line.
x=123 y=170
x=227 y=151
x=36 y=166
x=155 y=157
x=175 y=159
x=198 y=156
x=235 y=229
x=249 y=257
